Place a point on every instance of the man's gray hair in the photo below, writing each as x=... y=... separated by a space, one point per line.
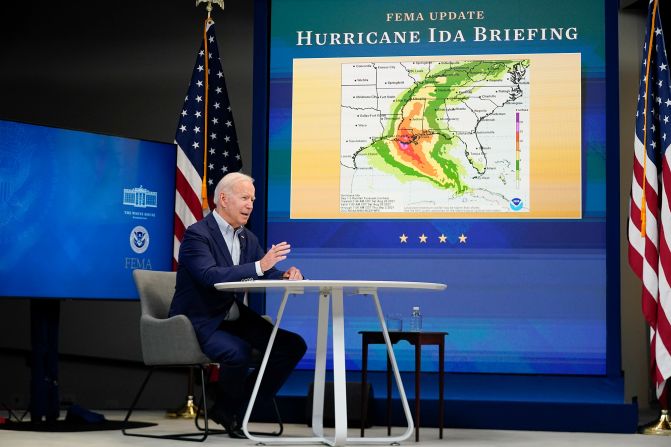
x=226 y=183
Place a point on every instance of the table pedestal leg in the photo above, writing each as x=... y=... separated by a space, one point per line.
x=320 y=365
x=339 y=377
x=388 y=372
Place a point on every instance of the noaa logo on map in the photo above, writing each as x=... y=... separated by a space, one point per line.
x=516 y=204
x=139 y=239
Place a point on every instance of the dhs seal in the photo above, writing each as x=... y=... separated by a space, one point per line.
x=139 y=239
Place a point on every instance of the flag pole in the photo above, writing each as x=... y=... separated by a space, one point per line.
x=204 y=199
x=190 y=410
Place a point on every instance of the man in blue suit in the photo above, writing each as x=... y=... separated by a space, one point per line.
x=220 y=249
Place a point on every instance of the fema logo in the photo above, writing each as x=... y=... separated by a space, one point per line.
x=516 y=204
x=139 y=239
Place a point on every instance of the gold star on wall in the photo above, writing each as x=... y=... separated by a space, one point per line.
x=403 y=238
x=442 y=238
x=462 y=238
x=422 y=239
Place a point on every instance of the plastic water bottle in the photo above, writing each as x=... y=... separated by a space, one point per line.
x=415 y=320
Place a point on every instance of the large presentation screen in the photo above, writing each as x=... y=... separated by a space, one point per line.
x=79 y=211
x=457 y=142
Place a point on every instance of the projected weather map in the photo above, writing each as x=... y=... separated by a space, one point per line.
x=447 y=142
x=446 y=125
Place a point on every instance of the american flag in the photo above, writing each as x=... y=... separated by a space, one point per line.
x=206 y=139
x=649 y=212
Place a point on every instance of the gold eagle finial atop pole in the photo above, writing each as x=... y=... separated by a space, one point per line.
x=209 y=5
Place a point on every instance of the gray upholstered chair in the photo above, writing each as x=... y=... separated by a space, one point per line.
x=167 y=342
x=170 y=342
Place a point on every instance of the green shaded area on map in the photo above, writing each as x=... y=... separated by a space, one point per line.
x=441 y=114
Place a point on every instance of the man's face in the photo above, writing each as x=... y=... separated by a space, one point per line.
x=236 y=207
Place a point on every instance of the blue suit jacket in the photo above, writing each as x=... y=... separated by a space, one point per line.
x=204 y=260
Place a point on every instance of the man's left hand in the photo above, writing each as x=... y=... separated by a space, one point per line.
x=293 y=274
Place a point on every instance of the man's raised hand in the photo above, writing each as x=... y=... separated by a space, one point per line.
x=277 y=253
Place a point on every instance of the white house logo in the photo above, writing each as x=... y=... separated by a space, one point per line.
x=139 y=239
x=140 y=197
